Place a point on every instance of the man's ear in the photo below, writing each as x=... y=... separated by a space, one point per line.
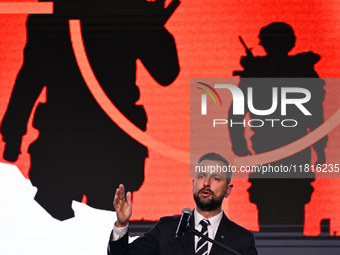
x=229 y=189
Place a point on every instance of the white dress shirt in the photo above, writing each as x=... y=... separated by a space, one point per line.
x=212 y=227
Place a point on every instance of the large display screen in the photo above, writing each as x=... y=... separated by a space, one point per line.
x=97 y=93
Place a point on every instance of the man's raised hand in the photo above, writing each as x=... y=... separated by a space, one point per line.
x=122 y=206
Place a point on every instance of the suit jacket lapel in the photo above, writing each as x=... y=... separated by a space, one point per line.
x=223 y=235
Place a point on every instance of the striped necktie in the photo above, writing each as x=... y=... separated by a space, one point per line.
x=202 y=245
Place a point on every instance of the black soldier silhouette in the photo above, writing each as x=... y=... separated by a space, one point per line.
x=280 y=197
x=80 y=151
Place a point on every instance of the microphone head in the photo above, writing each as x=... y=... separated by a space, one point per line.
x=187 y=211
x=183 y=223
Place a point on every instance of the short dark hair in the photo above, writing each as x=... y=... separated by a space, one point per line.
x=216 y=157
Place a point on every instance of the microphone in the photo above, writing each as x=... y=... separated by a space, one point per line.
x=183 y=224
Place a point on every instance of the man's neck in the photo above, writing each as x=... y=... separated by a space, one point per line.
x=208 y=214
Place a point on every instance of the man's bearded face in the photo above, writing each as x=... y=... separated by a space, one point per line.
x=210 y=203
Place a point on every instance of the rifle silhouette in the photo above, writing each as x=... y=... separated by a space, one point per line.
x=248 y=52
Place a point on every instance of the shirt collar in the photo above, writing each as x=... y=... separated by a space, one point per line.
x=214 y=221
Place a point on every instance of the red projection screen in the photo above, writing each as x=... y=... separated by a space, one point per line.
x=206 y=37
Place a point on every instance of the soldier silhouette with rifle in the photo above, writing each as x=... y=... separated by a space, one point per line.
x=80 y=150
x=280 y=197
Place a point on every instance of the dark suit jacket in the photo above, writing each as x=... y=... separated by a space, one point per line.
x=160 y=240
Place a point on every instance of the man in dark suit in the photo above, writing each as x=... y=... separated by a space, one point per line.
x=209 y=189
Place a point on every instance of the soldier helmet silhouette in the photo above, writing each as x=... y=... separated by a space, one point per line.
x=277 y=38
